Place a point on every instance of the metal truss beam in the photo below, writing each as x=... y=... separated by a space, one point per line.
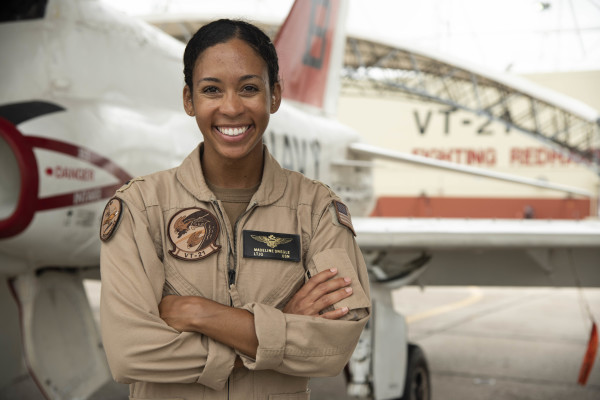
x=372 y=68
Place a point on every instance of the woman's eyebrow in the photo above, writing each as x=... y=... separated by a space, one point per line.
x=250 y=76
x=209 y=79
x=243 y=78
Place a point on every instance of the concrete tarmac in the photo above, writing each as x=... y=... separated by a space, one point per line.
x=497 y=343
x=492 y=343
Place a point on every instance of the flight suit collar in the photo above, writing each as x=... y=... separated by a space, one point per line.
x=273 y=183
x=271 y=189
x=190 y=175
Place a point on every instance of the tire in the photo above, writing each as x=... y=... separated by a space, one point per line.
x=417 y=384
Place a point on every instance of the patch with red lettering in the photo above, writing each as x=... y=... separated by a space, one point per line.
x=193 y=233
x=110 y=218
x=343 y=215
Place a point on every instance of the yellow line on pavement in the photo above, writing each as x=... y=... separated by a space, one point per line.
x=474 y=297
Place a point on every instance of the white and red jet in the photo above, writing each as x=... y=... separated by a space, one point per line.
x=91 y=99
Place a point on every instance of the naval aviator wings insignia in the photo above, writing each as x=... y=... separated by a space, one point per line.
x=272 y=241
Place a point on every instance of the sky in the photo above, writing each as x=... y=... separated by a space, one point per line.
x=519 y=36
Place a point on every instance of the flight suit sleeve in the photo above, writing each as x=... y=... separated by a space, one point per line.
x=312 y=346
x=139 y=345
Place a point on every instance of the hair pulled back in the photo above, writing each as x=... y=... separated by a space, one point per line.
x=223 y=30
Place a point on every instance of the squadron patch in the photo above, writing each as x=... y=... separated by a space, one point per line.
x=343 y=215
x=193 y=233
x=276 y=246
x=110 y=218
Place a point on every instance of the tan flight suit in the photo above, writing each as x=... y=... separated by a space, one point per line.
x=139 y=266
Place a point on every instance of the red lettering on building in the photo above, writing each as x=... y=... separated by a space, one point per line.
x=537 y=156
x=477 y=157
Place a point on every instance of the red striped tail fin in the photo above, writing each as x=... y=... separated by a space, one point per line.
x=310 y=45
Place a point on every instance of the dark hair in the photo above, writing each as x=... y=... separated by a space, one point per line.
x=222 y=31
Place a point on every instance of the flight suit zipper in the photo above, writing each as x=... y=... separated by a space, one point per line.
x=231 y=270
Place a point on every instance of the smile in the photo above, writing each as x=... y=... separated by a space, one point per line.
x=233 y=131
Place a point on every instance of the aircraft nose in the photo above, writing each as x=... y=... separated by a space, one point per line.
x=19 y=180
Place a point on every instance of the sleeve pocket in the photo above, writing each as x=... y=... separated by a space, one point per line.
x=358 y=302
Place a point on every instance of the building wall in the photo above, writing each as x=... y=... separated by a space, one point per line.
x=433 y=130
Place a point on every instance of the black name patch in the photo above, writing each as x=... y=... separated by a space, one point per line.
x=276 y=246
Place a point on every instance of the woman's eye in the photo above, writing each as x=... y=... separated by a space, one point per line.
x=210 y=89
x=249 y=88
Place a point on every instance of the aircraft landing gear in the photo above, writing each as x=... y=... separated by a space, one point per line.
x=384 y=365
x=417 y=384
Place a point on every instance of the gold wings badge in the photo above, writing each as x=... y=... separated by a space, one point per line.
x=272 y=241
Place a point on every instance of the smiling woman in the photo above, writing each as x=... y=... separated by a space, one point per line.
x=231 y=98
x=229 y=275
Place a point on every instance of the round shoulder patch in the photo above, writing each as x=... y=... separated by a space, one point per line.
x=193 y=233
x=110 y=218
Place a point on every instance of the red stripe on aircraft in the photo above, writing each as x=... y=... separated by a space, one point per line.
x=28 y=202
x=29 y=180
x=81 y=153
x=76 y=198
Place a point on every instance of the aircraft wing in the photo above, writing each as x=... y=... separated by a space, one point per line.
x=463 y=234
x=502 y=252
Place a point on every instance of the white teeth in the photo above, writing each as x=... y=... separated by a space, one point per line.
x=233 y=131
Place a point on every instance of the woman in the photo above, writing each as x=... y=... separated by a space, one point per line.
x=228 y=276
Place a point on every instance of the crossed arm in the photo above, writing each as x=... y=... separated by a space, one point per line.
x=234 y=327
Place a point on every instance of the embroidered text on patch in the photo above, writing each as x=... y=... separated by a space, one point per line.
x=193 y=233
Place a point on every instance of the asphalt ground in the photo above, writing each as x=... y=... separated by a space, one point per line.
x=489 y=343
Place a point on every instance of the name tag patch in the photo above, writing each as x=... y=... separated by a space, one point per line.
x=271 y=245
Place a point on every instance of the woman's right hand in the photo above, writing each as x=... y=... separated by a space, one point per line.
x=320 y=292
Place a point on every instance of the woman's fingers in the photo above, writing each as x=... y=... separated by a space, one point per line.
x=320 y=292
x=332 y=297
x=335 y=314
x=318 y=279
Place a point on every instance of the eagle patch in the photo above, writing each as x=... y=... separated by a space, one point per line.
x=193 y=233
x=271 y=245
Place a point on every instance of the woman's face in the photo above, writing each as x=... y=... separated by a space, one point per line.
x=231 y=100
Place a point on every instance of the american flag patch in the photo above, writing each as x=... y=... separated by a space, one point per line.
x=343 y=215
